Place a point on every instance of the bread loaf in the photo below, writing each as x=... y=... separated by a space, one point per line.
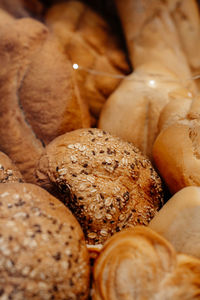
x=39 y=96
x=86 y=38
x=42 y=249
x=140 y=264
x=106 y=182
x=160 y=69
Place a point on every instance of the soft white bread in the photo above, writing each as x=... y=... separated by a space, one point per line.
x=179 y=222
x=140 y=264
x=42 y=248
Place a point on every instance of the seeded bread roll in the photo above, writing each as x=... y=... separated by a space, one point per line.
x=8 y=171
x=42 y=249
x=140 y=264
x=106 y=182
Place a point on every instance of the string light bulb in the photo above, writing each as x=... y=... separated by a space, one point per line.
x=152 y=83
x=75 y=66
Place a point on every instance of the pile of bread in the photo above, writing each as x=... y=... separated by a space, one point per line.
x=99 y=165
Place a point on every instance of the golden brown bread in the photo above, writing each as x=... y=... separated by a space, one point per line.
x=106 y=182
x=140 y=264
x=42 y=248
x=176 y=149
x=38 y=92
x=178 y=221
x=8 y=171
x=160 y=70
x=88 y=41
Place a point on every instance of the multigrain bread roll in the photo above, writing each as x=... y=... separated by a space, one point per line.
x=160 y=70
x=42 y=248
x=140 y=264
x=86 y=38
x=178 y=221
x=8 y=171
x=39 y=96
x=106 y=182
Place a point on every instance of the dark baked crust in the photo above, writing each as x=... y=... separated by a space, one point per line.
x=106 y=182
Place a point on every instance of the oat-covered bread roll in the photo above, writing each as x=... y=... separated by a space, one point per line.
x=140 y=264
x=178 y=221
x=39 y=96
x=176 y=149
x=86 y=38
x=42 y=249
x=106 y=182
x=160 y=70
x=8 y=171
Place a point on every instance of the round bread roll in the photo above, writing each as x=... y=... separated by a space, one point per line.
x=176 y=150
x=106 y=182
x=139 y=264
x=42 y=248
x=8 y=171
x=178 y=221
